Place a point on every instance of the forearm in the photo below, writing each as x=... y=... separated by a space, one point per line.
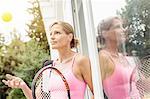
x=27 y=92
x=92 y=97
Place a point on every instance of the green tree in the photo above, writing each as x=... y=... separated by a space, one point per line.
x=31 y=62
x=3 y=88
x=137 y=16
x=36 y=28
x=2 y=40
x=9 y=59
x=23 y=60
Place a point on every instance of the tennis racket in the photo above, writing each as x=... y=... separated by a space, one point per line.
x=141 y=77
x=43 y=85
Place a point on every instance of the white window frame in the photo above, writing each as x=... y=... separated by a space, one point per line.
x=88 y=43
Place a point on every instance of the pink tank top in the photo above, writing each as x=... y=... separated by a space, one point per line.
x=117 y=86
x=77 y=87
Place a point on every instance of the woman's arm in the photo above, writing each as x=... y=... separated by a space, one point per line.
x=106 y=65
x=84 y=65
x=16 y=82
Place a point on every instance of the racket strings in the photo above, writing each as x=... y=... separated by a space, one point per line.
x=45 y=95
x=40 y=93
x=51 y=86
x=143 y=83
x=145 y=68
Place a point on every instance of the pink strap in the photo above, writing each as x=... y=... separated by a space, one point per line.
x=74 y=59
x=109 y=55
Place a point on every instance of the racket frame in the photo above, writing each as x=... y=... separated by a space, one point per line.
x=40 y=73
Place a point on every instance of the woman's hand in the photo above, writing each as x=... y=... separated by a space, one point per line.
x=16 y=82
x=13 y=81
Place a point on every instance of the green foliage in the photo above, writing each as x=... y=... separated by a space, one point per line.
x=31 y=61
x=137 y=16
x=22 y=60
x=16 y=94
x=1 y=41
x=36 y=28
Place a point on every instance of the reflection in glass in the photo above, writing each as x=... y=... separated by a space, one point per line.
x=129 y=51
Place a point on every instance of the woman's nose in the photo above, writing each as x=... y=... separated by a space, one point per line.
x=52 y=36
x=123 y=29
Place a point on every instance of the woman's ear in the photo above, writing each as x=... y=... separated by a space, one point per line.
x=104 y=34
x=70 y=37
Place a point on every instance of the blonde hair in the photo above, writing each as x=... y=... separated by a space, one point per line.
x=105 y=26
x=68 y=29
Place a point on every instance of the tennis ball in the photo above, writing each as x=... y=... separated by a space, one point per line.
x=6 y=16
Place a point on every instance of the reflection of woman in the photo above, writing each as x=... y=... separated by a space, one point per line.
x=75 y=67
x=116 y=70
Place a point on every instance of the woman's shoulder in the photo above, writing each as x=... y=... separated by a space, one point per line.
x=103 y=54
x=81 y=59
x=82 y=63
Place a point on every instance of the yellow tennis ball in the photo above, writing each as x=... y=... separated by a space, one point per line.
x=6 y=16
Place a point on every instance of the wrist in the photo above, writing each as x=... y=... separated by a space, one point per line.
x=23 y=85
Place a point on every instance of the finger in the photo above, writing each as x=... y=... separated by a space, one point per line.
x=5 y=82
x=17 y=82
x=11 y=83
x=10 y=77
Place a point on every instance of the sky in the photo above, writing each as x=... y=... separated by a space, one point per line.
x=20 y=17
x=105 y=8
x=101 y=10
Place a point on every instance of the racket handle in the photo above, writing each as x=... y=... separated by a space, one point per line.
x=47 y=62
x=68 y=91
x=33 y=92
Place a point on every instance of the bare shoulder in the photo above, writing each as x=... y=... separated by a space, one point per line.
x=82 y=63
x=103 y=55
x=84 y=67
x=106 y=64
x=81 y=59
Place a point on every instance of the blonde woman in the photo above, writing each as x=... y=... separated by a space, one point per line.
x=74 y=66
x=115 y=68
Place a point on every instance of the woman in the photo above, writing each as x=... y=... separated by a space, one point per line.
x=115 y=68
x=75 y=67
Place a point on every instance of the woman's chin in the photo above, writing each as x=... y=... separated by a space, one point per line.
x=53 y=47
x=123 y=40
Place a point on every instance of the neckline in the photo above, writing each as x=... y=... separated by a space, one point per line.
x=66 y=60
x=120 y=58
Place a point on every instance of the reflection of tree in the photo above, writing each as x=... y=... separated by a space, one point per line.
x=137 y=16
x=36 y=28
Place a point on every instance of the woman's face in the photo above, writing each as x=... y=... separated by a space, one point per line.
x=59 y=39
x=117 y=32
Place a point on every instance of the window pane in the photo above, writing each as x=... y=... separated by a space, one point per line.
x=123 y=42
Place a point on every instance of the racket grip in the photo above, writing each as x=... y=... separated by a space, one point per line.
x=68 y=91
x=33 y=92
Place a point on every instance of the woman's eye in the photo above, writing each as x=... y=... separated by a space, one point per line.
x=58 y=33
x=118 y=26
x=50 y=34
x=54 y=33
